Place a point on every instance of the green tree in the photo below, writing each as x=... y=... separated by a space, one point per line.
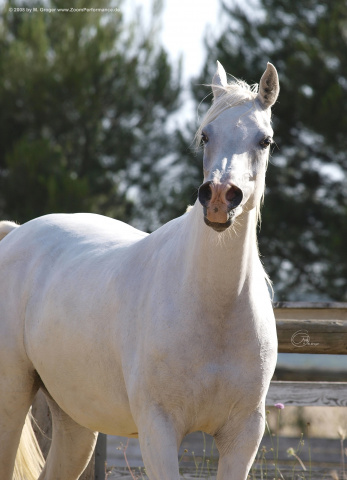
x=84 y=98
x=304 y=227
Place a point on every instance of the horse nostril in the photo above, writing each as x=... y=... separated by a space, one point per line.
x=234 y=197
x=205 y=194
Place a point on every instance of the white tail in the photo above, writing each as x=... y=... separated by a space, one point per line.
x=29 y=459
x=6 y=227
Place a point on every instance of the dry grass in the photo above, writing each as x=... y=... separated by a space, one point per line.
x=302 y=422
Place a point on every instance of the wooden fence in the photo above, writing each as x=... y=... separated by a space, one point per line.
x=313 y=328
x=319 y=328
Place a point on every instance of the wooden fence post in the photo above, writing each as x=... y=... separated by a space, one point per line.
x=100 y=457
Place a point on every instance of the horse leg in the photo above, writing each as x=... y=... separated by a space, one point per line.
x=159 y=444
x=71 y=448
x=17 y=390
x=238 y=443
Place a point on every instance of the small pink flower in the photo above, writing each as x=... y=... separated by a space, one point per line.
x=280 y=406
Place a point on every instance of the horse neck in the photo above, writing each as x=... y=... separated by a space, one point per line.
x=221 y=265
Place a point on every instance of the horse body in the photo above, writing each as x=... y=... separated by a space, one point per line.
x=144 y=335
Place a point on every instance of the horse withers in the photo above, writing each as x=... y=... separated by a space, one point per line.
x=154 y=336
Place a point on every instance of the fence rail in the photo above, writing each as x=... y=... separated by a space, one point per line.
x=311 y=327
x=323 y=394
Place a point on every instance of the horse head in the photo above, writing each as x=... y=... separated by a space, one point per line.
x=236 y=133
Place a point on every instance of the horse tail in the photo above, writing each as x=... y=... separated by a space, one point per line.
x=6 y=227
x=29 y=459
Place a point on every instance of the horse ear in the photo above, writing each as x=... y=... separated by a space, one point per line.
x=219 y=80
x=269 y=87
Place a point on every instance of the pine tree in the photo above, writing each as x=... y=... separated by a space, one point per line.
x=84 y=98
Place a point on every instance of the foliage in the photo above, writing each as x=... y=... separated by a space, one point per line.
x=304 y=217
x=84 y=99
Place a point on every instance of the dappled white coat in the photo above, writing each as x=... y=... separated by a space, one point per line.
x=132 y=334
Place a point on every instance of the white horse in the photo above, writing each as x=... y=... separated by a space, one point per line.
x=154 y=336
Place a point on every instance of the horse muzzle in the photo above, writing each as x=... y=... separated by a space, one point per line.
x=219 y=202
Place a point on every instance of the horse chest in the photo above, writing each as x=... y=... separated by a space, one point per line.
x=202 y=375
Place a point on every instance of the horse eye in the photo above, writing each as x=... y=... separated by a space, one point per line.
x=204 y=138
x=265 y=142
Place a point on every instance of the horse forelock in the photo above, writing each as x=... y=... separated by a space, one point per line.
x=232 y=95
